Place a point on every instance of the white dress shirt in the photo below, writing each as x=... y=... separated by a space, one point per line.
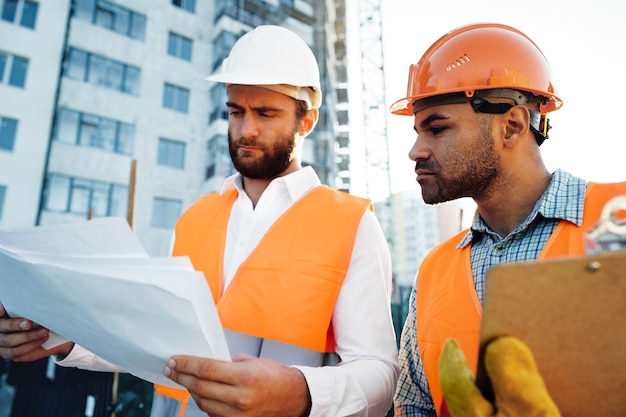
x=364 y=381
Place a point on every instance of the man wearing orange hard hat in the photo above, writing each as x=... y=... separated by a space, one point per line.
x=480 y=98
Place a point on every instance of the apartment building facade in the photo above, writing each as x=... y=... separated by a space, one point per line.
x=105 y=110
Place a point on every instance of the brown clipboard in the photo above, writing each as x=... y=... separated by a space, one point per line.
x=572 y=314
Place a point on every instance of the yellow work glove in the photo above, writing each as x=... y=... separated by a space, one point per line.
x=518 y=387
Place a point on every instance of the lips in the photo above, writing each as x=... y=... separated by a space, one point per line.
x=425 y=168
x=424 y=175
x=248 y=148
x=420 y=172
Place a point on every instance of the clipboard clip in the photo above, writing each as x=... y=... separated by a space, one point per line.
x=609 y=234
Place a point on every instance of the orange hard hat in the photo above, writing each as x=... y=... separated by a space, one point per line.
x=476 y=57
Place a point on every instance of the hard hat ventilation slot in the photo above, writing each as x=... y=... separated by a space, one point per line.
x=465 y=59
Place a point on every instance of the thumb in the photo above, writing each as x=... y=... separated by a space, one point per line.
x=519 y=388
x=463 y=399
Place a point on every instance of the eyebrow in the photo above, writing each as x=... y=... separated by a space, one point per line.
x=259 y=109
x=432 y=118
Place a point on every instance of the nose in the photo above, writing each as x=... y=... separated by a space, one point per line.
x=418 y=150
x=248 y=128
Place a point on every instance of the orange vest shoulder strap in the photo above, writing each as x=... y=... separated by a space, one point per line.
x=201 y=230
x=568 y=238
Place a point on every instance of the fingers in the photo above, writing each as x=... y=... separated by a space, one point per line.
x=206 y=377
x=20 y=339
x=463 y=399
x=22 y=347
x=518 y=385
x=246 y=385
x=14 y=332
x=210 y=383
x=8 y=324
x=212 y=369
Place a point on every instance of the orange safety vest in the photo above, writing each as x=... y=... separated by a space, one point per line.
x=447 y=304
x=286 y=289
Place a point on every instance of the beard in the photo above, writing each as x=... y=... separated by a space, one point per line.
x=469 y=173
x=274 y=161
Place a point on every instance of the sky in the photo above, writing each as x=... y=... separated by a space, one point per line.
x=583 y=42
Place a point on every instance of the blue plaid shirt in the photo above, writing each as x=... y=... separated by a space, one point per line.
x=562 y=200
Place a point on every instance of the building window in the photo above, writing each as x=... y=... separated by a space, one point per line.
x=171 y=153
x=13 y=69
x=219 y=163
x=189 y=5
x=102 y=71
x=9 y=10
x=77 y=195
x=90 y=130
x=29 y=14
x=8 y=129
x=76 y=64
x=218 y=108
x=3 y=193
x=175 y=98
x=24 y=11
x=165 y=212
x=179 y=46
x=111 y=16
x=221 y=47
x=116 y=18
x=17 y=76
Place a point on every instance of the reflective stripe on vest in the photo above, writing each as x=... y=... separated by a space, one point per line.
x=277 y=351
x=446 y=277
x=283 y=295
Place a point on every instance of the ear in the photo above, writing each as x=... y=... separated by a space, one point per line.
x=308 y=122
x=517 y=125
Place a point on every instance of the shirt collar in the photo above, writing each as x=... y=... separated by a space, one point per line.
x=296 y=184
x=563 y=199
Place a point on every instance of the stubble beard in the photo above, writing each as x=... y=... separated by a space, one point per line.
x=273 y=162
x=469 y=173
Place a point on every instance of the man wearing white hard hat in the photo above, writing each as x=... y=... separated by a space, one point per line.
x=303 y=287
x=300 y=273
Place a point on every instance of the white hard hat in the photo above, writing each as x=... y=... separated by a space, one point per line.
x=276 y=58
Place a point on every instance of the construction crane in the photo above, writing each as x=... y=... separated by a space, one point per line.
x=377 y=177
x=375 y=138
x=374 y=116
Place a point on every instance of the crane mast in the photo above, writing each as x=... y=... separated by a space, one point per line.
x=373 y=90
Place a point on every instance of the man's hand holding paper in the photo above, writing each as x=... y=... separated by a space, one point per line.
x=91 y=284
x=24 y=341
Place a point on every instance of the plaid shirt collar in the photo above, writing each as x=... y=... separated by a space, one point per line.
x=564 y=199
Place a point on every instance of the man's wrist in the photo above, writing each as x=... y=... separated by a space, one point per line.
x=64 y=352
x=304 y=399
x=307 y=411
